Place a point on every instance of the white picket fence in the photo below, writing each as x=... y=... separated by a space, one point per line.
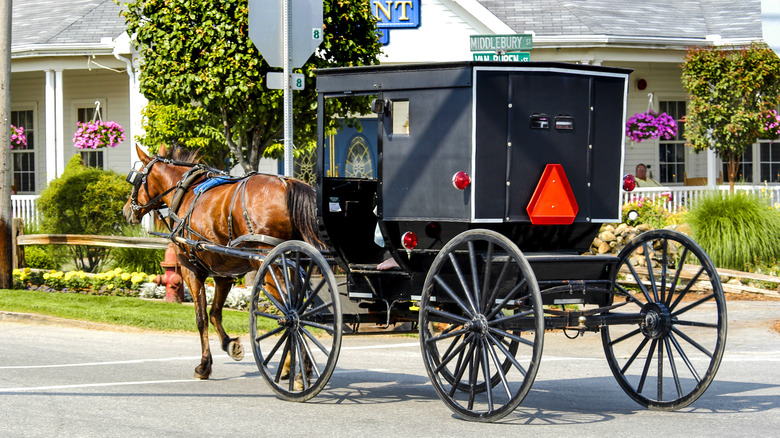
x=683 y=197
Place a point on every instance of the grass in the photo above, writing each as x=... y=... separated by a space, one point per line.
x=121 y=311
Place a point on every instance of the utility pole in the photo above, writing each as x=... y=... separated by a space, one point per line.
x=6 y=250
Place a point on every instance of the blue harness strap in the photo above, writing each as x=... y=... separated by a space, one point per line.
x=213 y=182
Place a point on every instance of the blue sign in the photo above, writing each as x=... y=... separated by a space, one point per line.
x=396 y=14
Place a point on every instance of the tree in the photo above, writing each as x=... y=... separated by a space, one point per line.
x=84 y=200
x=197 y=58
x=731 y=91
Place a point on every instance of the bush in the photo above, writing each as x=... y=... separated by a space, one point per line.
x=651 y=211
x=736 y=230
x=37 y=258
x=84 y=200
x=137 y=259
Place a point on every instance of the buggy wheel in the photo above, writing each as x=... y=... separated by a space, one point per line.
x=481 y=325
x=295 y=321
x=669 y=359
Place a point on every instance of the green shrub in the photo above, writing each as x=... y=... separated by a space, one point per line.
x=651 y=211
x=137 y=259
x=37 y=258
x=84 y=200
x=736 y=230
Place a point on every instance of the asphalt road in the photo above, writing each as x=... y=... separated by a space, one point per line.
x=73 y=380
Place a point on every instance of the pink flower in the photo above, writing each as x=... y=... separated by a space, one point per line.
x=650 y=125
x=95 y=135
x=18 y=138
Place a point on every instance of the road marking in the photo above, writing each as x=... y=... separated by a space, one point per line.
x=96 y=385
x=89 y=364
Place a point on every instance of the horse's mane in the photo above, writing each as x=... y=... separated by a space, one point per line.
x=182 y=155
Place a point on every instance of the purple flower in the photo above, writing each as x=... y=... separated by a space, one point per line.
x=650 y=125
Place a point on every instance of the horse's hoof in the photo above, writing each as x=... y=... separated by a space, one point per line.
x=236 y=350
x=200 y=376
x=298 y=385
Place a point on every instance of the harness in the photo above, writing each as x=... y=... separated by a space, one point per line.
x=203 y=178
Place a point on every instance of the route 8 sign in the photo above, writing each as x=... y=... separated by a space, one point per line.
x=266 y=30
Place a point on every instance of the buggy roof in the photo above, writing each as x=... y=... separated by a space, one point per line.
x=376 y=78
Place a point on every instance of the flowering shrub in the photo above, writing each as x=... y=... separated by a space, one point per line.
x=650 y=209
x=98 y=134
x=114 y=282
x=18 y=138
x=650 y=125
x=770 y=125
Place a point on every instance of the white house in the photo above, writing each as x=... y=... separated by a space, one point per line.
x=66 y=56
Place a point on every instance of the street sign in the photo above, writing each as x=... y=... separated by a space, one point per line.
x=275 y=81
x=506 y=57
x=502 y=43
x=266 y=30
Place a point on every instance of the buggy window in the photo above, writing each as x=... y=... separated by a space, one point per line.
x=400 y=117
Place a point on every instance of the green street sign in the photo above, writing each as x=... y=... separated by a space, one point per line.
x=504 y=43
x=507 y=57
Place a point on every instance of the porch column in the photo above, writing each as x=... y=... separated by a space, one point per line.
x=51 y=127
x=712 y=168
x=59 y=117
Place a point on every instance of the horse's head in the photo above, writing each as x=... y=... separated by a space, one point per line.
x=148 y=187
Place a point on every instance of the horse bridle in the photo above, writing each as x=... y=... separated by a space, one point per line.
x=137 y=179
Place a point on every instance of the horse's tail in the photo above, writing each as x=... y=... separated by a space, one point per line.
x=302 y=204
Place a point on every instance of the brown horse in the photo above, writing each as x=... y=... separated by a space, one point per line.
x=269 y=205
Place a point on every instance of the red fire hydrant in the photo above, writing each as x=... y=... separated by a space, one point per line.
x=174 y=287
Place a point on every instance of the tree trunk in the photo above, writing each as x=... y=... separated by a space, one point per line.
x=732 y=170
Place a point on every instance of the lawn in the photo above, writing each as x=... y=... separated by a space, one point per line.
x=122 y=311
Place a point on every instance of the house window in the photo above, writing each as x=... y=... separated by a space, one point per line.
x=91 y=158
x=770 y=161
x=23 y=157
x=744 y=168
x=672 y=152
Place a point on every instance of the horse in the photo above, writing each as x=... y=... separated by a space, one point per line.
x=259 y=204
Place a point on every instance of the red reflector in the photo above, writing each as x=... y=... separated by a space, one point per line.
x=629 y=183
x=553 y=201
x=409 y=240
x=461 y=180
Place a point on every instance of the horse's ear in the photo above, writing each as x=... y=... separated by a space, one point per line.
x=163 y=151
x=142 y=155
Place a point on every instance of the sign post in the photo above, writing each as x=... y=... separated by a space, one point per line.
x=286 y=32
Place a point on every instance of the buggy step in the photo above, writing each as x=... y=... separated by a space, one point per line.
x=571 y=266
x=370 y=269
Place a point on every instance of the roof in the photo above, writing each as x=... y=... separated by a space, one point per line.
x=46 y=22
x=731 y=19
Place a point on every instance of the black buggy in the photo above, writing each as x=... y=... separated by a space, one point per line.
x=493 y=180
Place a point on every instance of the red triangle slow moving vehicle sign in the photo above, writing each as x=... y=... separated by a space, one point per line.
x=553 y=201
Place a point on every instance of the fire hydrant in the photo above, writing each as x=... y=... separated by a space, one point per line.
x=174 y=287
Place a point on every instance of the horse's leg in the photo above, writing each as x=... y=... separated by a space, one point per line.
x=194 y=281
x=232 y=346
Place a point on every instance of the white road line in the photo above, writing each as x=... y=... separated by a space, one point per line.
x=89 y=364
x=382 y=346
x=96 y=385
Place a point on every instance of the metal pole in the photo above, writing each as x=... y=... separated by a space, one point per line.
x=6 y=248
x=288 y=92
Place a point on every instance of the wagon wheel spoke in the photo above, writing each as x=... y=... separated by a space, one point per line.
x=494 y=288
x=658 y=341
x=302 y=342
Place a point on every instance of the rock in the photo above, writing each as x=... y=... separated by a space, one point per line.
x=597 y=242
x=685 y=229
x=607 y=236
x=734 y=281
x=609 y=228
x=643 y=227
x=621 y=228
x=604 y=248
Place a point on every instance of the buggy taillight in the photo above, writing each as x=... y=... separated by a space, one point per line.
x=461 y=180
x=629 y=183
x=409 y=240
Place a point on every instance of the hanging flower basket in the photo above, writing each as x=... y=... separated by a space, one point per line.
x=98 y=134
x=770 y=125
x=17 y=137
x=650 y=125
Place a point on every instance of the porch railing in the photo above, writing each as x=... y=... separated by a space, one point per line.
x=25 y=207
x=683 y=197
